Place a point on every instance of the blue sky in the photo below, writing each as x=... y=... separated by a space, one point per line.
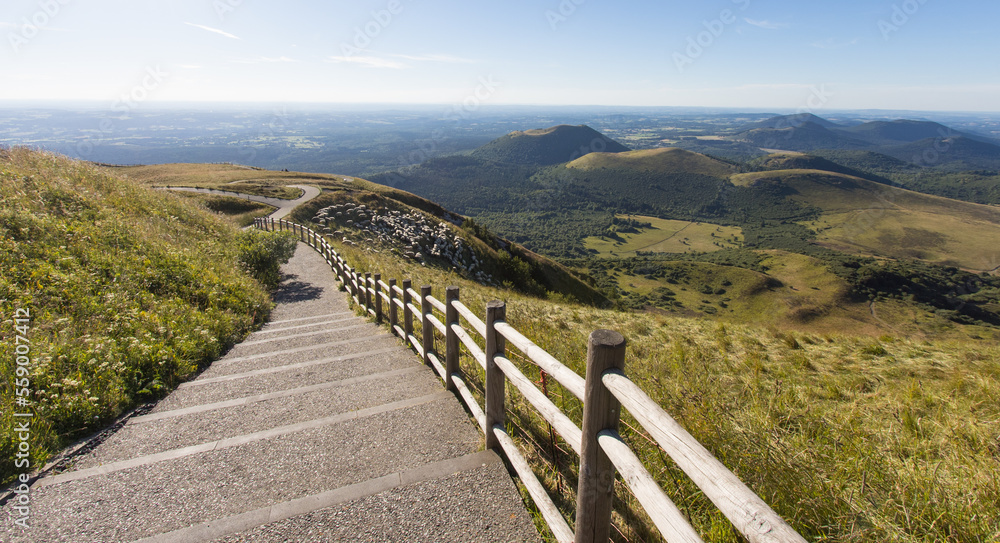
x=778 y=54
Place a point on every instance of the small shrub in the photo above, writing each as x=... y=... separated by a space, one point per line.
x=262 y=253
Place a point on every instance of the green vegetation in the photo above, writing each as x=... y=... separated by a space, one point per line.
x=130 y=291
x=664 y=160
x=884 y=432
x=509 y=264
x=239 y=210
x=652 y=235
x=975 y=185
x=553 y=145
x=261 y=254
x=850 y=438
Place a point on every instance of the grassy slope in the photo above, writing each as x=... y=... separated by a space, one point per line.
x=657 y=160
x=130 y=291
x=553 y=145
x=223 y=177
x=531 y=272
x=863 y=217
x=667 y=236
x=549 y=275
x=850 y=438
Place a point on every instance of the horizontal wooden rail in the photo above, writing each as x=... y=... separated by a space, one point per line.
x=604 y=391
x=478 y=325
x=548 y=410
x=673 y=525
x=437 y=304
x=437 y=324
x=567 y=377
x=560 y=528
x=470 y=344
x=748 y=513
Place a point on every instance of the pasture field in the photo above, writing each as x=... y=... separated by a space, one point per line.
x=667 y=236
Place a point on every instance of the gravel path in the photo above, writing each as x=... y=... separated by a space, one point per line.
x=319 y=427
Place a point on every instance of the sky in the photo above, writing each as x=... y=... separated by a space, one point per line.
x=803 y=55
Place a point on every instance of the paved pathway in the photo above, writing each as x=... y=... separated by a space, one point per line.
x=319 y=427
x=284 y=206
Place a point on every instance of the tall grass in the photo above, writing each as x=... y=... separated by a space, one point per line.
x=130 y=291
x=848 y=438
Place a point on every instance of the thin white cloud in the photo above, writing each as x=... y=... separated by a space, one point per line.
x=266 y=60
x=450 y=59
x=372 y=62
x=833 y=43
x=215 y=30
x=770 y=25
x=190 y=66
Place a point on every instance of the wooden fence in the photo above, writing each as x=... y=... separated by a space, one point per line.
x=603 y=391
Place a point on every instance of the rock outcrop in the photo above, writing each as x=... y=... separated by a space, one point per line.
x=417 y=237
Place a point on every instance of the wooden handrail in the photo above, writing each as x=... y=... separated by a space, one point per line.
x=605 y=389
x=548 y=410
x=673 y=525
x=560 y=528
x=567 y=377
x=748 y=513
x=470 y=317
x=437 y=304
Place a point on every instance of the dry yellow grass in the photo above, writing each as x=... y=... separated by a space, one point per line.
x=668 y=236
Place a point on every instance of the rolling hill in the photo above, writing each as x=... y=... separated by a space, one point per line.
x=859 y=216
x=505 y=262
x=545 y=147
x=922 y=143
x=805 y=136
x=663 y=160
x=906 y=131
x=787 y=121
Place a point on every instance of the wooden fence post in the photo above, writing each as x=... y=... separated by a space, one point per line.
x=425 y=323
x=352 y=279
x=378 y=297
x=407 y=313
x=601 y=411
x=451 y=365
x=495 y=380
x=393 y=310
x=368 y=292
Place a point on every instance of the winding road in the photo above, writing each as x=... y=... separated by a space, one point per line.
x=284 y=206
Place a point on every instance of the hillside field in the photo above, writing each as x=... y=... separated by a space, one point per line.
x=666 y=236
x=867 y=218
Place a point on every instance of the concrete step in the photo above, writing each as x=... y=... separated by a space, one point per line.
x=195 y=425
x=286 y=377
x=466 y=499
x=364 y=340
x=123 y=502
